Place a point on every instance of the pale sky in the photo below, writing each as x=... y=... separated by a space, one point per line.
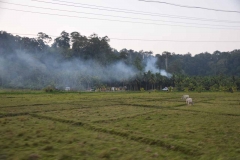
x=32 y=23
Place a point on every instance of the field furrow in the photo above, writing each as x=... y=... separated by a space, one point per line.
x=119 y=125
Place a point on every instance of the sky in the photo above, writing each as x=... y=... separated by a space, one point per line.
x=170 y=28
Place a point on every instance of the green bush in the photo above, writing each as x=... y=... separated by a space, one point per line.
x=199 y=89
x=49 y=89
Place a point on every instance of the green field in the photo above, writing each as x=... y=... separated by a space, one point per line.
x=119 y=125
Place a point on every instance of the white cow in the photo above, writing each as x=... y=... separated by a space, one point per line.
x=189 y=101
x=185 y=97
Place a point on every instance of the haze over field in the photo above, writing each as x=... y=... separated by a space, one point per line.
x=140 y=44
x=82 y=62
x=69 y=73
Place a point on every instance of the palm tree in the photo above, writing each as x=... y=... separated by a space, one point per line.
x=152 y=80
x=159 y=80
x=145 y=79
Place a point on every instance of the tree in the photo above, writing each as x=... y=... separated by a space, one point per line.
x=43 y=40
x=167 y=56
x=62 y=41
x=61 y=45
x=159 y=81
x=152 y=80
x=98 y=49
x=40 y=65
x=79 y=44
x=44 y=37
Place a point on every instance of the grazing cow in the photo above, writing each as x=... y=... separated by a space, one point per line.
x=113 y=89
x=189 y=101
x=185 y=97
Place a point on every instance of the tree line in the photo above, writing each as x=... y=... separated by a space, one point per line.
x=38 y=62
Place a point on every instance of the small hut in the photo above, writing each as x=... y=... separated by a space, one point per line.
x=67 y=89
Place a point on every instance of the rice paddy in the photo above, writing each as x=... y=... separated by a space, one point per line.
x=119 y=125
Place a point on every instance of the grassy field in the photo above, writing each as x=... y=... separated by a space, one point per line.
x=119 y=125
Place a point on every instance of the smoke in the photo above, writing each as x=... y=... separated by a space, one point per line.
x=151 y=66
x=24 y=70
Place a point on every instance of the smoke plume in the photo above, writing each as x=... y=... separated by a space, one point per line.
x=24 y=70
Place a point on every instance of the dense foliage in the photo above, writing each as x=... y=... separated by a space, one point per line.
x=89 y=62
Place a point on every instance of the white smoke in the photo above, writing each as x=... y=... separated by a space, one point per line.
x=21 y=69
x=26 y=70
x=151 y=66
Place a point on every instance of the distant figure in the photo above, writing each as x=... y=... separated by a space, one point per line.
x=113 y=88
x=189 y=101
x=67 y=89
x=185 y=97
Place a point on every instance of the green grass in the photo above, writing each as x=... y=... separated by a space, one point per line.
x=25 y=136
x=114 y=125
x=206 y=134
x=96 y=114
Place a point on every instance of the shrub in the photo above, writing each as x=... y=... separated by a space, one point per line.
x=186 y=89
x=199 y=89
x=214 y=87
x=50 y=89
